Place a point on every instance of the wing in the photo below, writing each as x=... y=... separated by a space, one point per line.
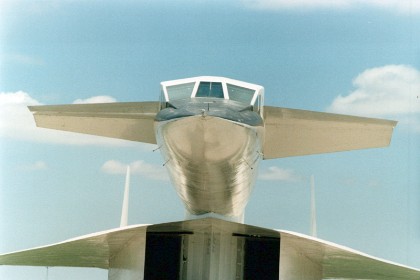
x=129 y=120
x=311 y=256
x=93 y=250
x=126 y=251
x=291 y=132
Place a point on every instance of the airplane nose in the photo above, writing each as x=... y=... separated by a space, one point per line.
x=212 y=162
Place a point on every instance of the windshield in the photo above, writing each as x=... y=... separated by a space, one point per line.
x=241 y=94
x=181 y=91
x=249 y=95
x=210 y=89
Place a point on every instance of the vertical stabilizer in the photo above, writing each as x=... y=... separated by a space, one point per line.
x=124 y=211
x=313 y=208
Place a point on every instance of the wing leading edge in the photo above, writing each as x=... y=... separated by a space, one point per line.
x=331 y=261
x=288 y=132
x=291 y=132
x=301 y=256
x=132 y=121
x=94 y=250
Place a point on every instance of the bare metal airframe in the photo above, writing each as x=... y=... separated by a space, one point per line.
x=212 y=133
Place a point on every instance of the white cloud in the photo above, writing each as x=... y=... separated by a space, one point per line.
x=391 y=91
x=16 y=122
x=15 y=119
x=96 y=99
x=274 y=173
x=114 y=167
x=401 y=6
x=139 y=167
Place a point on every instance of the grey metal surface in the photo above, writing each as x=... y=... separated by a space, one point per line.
x=208 y=251
x=291 y=132
x=212 y=162
x=303 y=257
x=93 y=250
x=128 y=120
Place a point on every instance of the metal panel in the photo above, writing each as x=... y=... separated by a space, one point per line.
x=212 y=162
x=290 y=132
x=94 y=250
x=303 y=257
x=132 y=121
x=129 y=262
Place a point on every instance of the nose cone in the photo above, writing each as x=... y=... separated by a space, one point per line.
x=212 y=161
x=206 y=140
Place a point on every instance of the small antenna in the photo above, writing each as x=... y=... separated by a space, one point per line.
x=313 y=208
x=124 y=211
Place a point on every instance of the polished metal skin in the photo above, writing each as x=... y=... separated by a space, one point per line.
x=211 y=146
x=211 y=249
x=212 y=162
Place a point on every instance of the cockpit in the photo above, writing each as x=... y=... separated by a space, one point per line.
x=249 y=95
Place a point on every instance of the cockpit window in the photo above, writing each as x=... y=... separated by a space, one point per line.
x=210 y=89
x=181 y=91
x=241 y=94
x=204 y=88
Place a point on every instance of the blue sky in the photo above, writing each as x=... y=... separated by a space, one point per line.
x=352 y=57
